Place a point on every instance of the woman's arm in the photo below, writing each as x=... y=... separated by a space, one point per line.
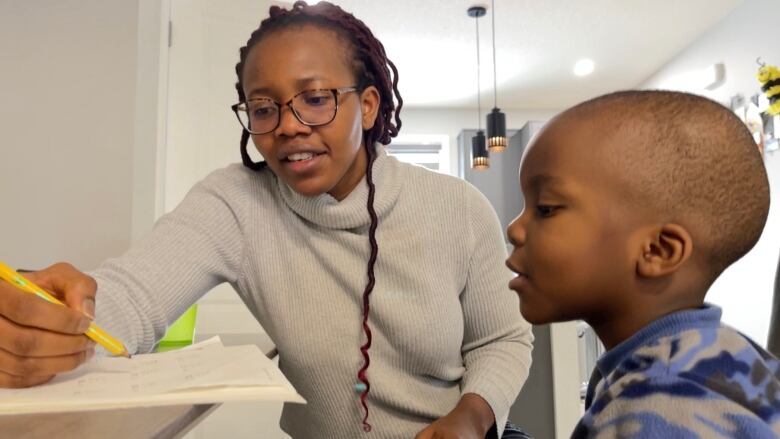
x=190 y=250
x=497 y=341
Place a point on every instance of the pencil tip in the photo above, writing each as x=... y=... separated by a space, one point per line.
x=126 y=354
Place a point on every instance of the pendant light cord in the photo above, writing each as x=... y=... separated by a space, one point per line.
x=479 y=102
x=493 y=13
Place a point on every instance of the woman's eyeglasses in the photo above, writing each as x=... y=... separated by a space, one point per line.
x=310 y=107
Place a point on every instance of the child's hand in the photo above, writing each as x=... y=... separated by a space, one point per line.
x=38 y=339
x=470 y=419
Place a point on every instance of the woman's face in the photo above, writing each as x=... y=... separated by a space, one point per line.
x=320 y=159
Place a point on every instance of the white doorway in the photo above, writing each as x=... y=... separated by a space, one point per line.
x=202 y=136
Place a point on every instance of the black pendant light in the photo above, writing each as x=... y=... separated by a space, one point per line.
x=479 y=153
x=496 y=120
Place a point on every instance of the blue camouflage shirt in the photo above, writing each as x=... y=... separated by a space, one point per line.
x=685 y=375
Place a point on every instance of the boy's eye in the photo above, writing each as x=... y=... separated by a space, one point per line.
x=545 y=211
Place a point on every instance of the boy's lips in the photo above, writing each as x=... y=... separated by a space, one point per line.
x=521 y=280
x=518 y=283
x=515 y=269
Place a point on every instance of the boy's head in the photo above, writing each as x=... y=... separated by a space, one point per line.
x=634 y=201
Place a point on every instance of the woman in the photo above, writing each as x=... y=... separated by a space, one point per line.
x=381 y=284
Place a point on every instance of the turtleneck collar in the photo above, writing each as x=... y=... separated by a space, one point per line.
x=352 y=211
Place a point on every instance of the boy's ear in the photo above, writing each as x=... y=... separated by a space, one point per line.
x=369 y=106
x=664 y=251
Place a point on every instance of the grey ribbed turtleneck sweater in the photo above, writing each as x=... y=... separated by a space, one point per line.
x=443 y=319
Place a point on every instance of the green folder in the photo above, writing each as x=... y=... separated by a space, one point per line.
x=181 y=333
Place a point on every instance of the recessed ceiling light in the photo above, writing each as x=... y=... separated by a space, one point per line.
x=584 y=67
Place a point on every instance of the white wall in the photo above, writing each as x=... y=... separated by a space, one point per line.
x=151 y=104
x=450 y=122
x=67 y=122
x=745 y=289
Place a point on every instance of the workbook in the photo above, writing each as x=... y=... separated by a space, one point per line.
x=206 y=372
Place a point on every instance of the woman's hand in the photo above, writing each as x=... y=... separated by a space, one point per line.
x=38 y=339
x=470 y=419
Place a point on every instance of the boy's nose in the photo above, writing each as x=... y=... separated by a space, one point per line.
x=515 y=232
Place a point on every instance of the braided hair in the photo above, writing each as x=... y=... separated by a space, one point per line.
x=370 y=67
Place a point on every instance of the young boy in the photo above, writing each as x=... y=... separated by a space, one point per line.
x=635 y=203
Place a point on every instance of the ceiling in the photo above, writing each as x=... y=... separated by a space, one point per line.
x=433 y=44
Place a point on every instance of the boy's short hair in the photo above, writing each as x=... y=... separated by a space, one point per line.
x=693 y=161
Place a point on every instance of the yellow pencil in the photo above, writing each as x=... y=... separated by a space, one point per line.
x=94 y=332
